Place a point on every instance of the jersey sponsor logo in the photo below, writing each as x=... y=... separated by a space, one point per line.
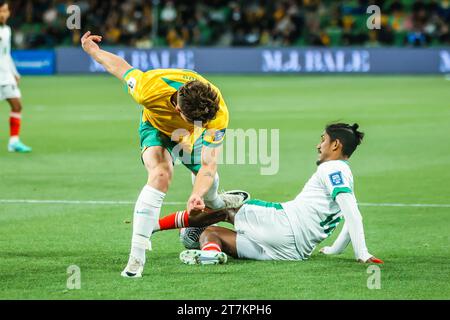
x=336 y=179
x=131 y=83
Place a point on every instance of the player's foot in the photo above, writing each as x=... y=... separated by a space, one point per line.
x=190 y=237
x=18 y=147
x=234 y=199
x=203 y=257
x=134 y=269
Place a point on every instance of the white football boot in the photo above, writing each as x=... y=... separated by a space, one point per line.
x=133 y=269
x=192 y=257
x=234 y=199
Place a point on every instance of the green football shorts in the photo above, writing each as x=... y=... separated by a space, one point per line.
x=152 y=137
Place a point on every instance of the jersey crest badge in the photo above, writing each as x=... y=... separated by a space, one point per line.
x=336 y=179
x=219 y=135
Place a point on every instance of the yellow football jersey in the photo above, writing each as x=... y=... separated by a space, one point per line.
x=154 y=89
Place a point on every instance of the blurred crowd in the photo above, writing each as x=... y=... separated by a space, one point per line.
x=181 y=23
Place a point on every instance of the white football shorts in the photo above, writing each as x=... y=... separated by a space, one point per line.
x=10 y=91
x=264 y=233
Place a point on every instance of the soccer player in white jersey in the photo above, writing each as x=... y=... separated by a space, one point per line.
x=292 y=230
x=9 y=81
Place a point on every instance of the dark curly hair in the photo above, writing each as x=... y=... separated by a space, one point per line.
x=198 y=101
x=347 y=134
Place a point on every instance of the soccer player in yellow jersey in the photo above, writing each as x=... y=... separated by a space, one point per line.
x=184 y=116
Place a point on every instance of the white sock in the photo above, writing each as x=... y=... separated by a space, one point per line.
x=13 y=140
x=146 y=216
x=211 y=198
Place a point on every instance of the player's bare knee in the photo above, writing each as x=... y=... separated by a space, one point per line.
x=17 y=109
x=206 y=235
x=16 y=105
x=160 y=175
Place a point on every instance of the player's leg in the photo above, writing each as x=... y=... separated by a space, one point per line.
x=216 y=243
x=192 y=225
x=15 y=120
x=190 y=232
x=216 y=201
x=219 y=239
x=189 y=237
x=198 y=219
x=158 y=163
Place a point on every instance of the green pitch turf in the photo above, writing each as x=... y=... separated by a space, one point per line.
x=84 y=134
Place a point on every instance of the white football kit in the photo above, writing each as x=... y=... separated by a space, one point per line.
x=291 y=230
x=8 y=71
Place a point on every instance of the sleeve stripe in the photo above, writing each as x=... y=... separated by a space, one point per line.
x=336 y=191
x=128 y=72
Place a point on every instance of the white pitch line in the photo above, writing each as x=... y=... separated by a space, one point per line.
x=412 y=205
x=119 y=203
x=80 y=202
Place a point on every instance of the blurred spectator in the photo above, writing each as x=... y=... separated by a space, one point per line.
x=181 y=23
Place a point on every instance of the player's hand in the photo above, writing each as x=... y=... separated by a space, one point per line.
x=196 y=203
x=373 y=260
x=326 y=251
x=89 y=42
x=17 y=79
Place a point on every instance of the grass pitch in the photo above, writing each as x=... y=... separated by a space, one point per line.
x=84 y=134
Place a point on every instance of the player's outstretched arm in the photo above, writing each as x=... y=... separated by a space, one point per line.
x=114 y=64
x=347 y=203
